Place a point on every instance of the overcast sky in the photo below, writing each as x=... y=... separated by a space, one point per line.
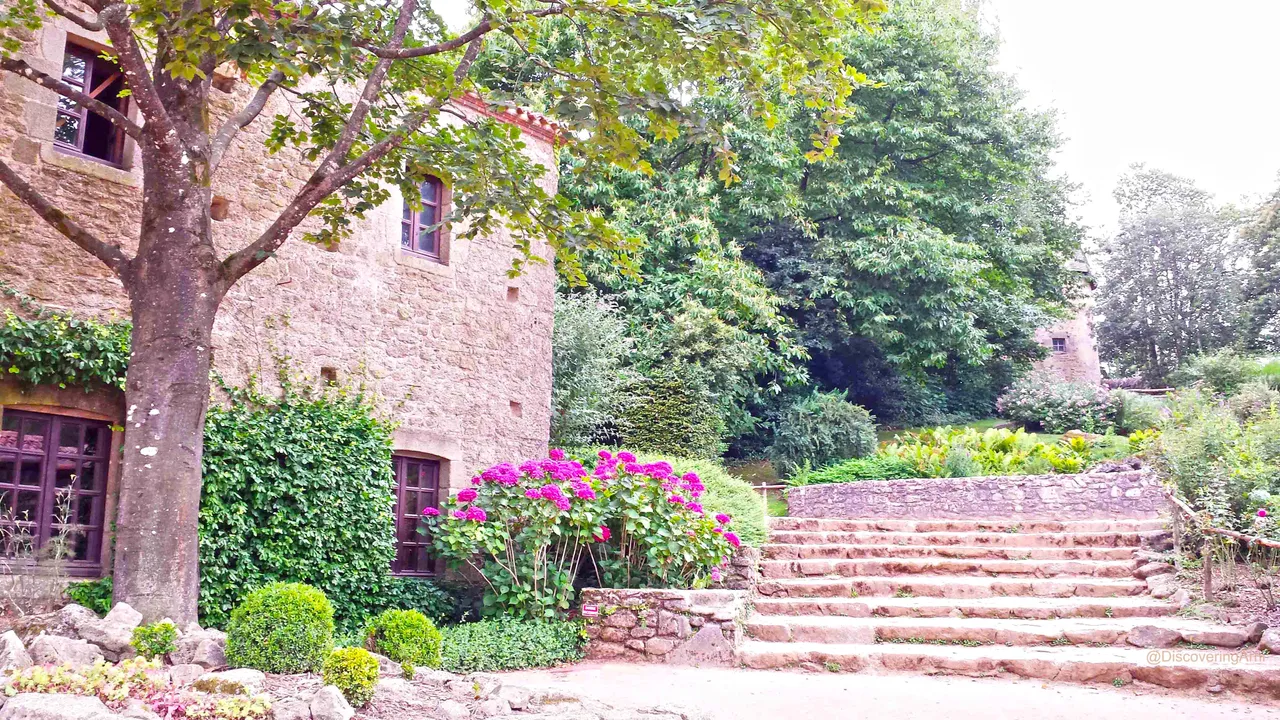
x=1188 y=86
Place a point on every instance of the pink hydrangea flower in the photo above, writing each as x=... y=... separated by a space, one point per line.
x=694 y=507
x=430 y=512
x=676 y=499
x=602 y=535
x=715 y=574
x=476 y=480
x=467 y=495
x=723 y=519
x=1262 y=513
x=733 y=539
x=605 y=455
x=562 y=503
x=556 y=454
x=532 y=494
x=626 y=457
x=718 y=530
x=551 y=492
x=459 y=515
x=585 y=492
x=476 y=514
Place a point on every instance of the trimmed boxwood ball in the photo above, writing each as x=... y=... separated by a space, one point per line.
x=281 y=628
x=354 y=671
x=405 y=636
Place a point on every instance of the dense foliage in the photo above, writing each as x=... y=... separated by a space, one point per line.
x=354 y=671
x=406 y=636
x=1261 y=291
x=64 y=350
x=155 y=640
x=281 y=628
x=296 y=489
x=509 y=644
x=1057 y=405
x=527 y=530
x=818 y=429
x=93 y=594
x=590 y=371
x=672 y=413
x=967 y=452
x=881 y=466
x=1225 y=371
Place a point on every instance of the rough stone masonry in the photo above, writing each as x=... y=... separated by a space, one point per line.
x=1135 y=494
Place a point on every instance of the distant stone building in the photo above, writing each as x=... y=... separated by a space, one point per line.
x=1072 y=343
x=459 y=353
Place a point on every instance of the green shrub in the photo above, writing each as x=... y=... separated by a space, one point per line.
x=1058 y=405
x=281 y=628
x=1270 y=374
x=672 y=415
x=405 y=636
x=354 y=671
x=296 y=489
x=64 y=350
x=820 y=429
x=93 y=594
x=443 y=602
x=1136 y=412
x=1252 y=399
x=1222 y=372
x=590 y=377
x=506 y=644
x=155 y=640
x=877 y=467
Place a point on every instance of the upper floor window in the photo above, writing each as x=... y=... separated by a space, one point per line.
x=53 y=488
x=77 y=129
x=1059 y=344
x=418 y=230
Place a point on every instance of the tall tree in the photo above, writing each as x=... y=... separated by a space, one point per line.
x=1170 y=277
x=372 y=82
x=1261 y=235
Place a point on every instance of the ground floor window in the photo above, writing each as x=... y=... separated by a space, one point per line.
x=53 y=482
x=418 y=488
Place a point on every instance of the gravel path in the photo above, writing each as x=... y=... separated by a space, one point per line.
x=737 y=694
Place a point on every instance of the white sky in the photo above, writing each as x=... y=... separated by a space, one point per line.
x=1187 y=86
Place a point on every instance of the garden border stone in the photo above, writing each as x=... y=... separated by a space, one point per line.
x=1134 y=494
x=683 y=627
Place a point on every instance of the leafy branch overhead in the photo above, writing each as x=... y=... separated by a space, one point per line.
x=363 y=91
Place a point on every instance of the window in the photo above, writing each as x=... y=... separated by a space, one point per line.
x=78 y=130
x=419 y=487
x=1059 y=344
x=53 y=478
x=416 y=232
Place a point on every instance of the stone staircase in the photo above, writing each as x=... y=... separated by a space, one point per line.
x=1037 y=599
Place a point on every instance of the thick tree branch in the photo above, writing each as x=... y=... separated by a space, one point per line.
x=321 y=185
x=241 y=120
x=73 y=16
x=117 y=118
x=109 y=254
x=115 y=20
x=485 y=27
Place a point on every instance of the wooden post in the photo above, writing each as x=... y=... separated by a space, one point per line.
x=1206 y=557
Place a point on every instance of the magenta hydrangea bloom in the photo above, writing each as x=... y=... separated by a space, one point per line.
x=556 y=454
x=467 y=495
x=626 y=457
x=715 y=574
x=694 y=507
x=676 y=499
x=733 y=539
x=605 y=455
x=690 y=477
x=533 y=494
x=602 y=535
x=430 y=512
x=562 y=503
x=718 y=530
x=1262 y=513
x=586 y=493
x=633 y=468
x=723 y=519
x=551 y=492
x=476 y=514
x=476 y=480
x=459 y=515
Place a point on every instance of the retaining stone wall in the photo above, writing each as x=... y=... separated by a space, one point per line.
x=683 y=627
x=1134 y=494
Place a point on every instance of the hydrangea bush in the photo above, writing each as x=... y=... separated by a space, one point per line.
x=529 y=529
x=1057 y=405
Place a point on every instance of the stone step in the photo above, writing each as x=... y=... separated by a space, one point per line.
x=852 y=552
x=776 y=569
x=1005 y=525
x=985 y=631
x=950 y=586
x=1003 y=539
x=1026 y=608
x=1248 y=674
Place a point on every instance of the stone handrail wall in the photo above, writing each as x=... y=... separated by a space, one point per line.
x=1133 y=494
x=685 y=627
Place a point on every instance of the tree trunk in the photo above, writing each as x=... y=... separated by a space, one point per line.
x=174 y=293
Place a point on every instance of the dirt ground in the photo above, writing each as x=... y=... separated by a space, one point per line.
x=738 y=694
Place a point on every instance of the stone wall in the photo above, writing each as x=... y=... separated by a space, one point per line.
x=1078 y=360
x=457 y=353
x=683 y=627
x=1134 y=494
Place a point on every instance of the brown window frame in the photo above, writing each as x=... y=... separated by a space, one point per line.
x=115 y=152
x=1059 y=345
x=413 y=549
x=413 y=229
x=50 y=459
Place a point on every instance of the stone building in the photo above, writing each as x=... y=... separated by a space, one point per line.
x=1072 y=343
x=458 y=352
